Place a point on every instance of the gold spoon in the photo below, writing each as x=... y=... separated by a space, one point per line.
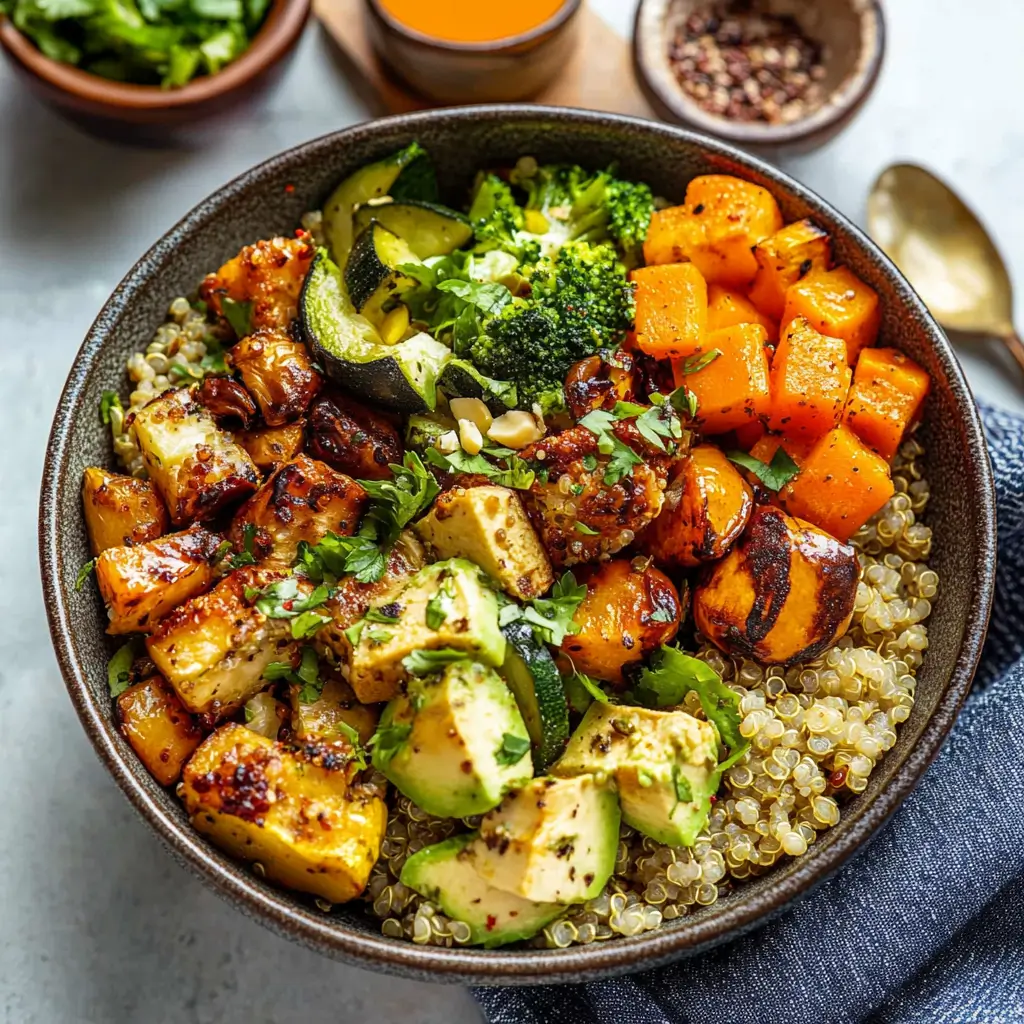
x=945 y=253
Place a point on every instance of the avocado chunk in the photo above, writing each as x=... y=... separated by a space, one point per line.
x=443 y=873
x=454 y=743
x=553 y=841
x=664 y=763
x=445 y=605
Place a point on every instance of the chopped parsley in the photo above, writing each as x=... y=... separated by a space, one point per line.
x=775 y=474
x=238 y=315
x=694 y=364
x=425 y=663
x=119 y=668
x=306 y=676
x=684 y=791
x=441 y=605
x=246 y=555
x=552 y=617
x=661 y=615
x=84 y=572
x=282 y=600
x=587 y=531
x=512 y=749
x=387 y=741
x=517 y=474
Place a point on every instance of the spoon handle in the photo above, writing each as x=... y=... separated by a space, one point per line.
x=1013 y=342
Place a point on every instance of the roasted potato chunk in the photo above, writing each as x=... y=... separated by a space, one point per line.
x=783 y=594
x=269 y=447
x=228 y=401
x=267 y=276
x=304 y=500
x=195 y=466
x=336 y=705
x=278 y=373
x=596 y=383
x=629 y=610
x=213 y=649
x=298 y=809
x=121 y=510
x=159 y=729
x=141 y=584
x=353 y=438
x=707 y=505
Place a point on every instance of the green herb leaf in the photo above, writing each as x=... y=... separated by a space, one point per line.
x=590 y=463
x=119 y=668
x=661 y=615
x=621 y=464
x=108 y=401
x=282 y=600
x=684 y=401
x=425 y=663
x=308 y=676
x=517 y=475
x=387 y=741
x=510 y=612
x=512 y=750
x=358 y=753
x=440 y=606
x=397 y=502
x=380 y=615
x=684 y=791
x=84 y=573
x=308 y=623
x=591 y=686
x=238 y=315
x=587 y=531
x=775 y=474
x=694 y=364
x=552 y=617
x=246 y=555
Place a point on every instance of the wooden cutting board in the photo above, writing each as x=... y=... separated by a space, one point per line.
x=598 y=77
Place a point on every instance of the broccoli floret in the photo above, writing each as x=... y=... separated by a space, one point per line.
x=498 y=221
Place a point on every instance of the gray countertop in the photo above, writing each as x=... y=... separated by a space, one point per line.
x=97 y=923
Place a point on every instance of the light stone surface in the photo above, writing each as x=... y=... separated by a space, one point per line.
x=97 y=924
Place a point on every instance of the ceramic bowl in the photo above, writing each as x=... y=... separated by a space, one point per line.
x=852 y=31
x=147 y=113
x=270 y=199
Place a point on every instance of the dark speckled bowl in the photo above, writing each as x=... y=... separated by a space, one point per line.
x=271 y=198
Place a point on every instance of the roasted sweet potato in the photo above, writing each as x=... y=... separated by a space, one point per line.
x=785 y=258
x=303 y=501
x=729 y=308
x=671 y=309
x=840 y=486
x=268 y=447
x=732 y=389
x=888 y=391
x=159 y=729
x=278 y=373
x=722 y=219
x=121 y=510
x=350 y=437
x=707 y=505
x=596 y=383
x=810 y=379
x=627 y=613
x=797 y=448
x=838 y=304
x=783 y=594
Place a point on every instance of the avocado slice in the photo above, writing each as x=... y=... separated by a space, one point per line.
x=443 y=873
x=429 y=229
x=664 y=763
x=423 y=430
x=553 y=841
x=461 y=379
x=454 y=743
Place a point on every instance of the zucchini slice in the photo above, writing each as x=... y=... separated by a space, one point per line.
x=402 y=376
x=422 y=431
x=429 y=229
x=407 y=174
x=537 y=687
x=461 y=379
x=372 y=276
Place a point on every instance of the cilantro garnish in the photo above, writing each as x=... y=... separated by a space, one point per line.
x=440 y=606
x=387 y=741
x=517 y=475
x=238 y=315
x=380 y=615
x=661 y=615
x=283 y=600
x=621 y=463
x=306 y=676
x=246 y=555
x=552 y=617
x=83 y=573
x=119 y=668
x=581 y=690
x=512 y=749
x=359 y=755
x=425 y=663
x=775 y=474
x=684 y=791
x=694 y=364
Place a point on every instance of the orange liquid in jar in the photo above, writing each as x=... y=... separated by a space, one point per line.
x=472 y=21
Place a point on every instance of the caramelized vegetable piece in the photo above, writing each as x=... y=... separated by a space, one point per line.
x=268 y=447
x=732 y=390
x=228 y=401
x=278 y=372
x=296 y=808
x=728 y=308
x=335 y=708
x=888 y=391
x=785 y=258
x=267 y=277
x=195 y=466
x=626 y=614
x=671 y=309
x=350 y=437
x=749 y=434
x=303 y=501
x=783 y=594
x=121 y=510
x=797 y=448
x=839 y=304
x=840 y=486
x=596 y=383
x=159 y=729
x=722 y=219
x=707 y=505
x=141 y=584
x=810 y=380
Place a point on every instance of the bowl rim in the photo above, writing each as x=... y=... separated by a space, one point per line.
x=278 y=909
x=279 y=32
x=656 y=79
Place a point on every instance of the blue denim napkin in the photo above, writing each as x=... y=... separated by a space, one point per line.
x=926 y=924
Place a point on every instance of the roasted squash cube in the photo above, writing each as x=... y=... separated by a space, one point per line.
x=159 y=729
x=733 y=388
x=335 y=708
x=840 y=486
x=810 y=379
x=141 y=584
x=838 y=304
x=729 y=308
x=121 y=510
x=671 y=309
x=783 y=259
x=278 y=373
x=797 y=448
x=297 y=809
x=269 y=447
x=196 y=467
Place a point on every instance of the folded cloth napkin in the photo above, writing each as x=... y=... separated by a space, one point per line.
x=926 y=924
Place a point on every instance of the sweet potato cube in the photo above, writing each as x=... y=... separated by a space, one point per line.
x=671 y=310
x=728 y=307
x=749 y=434
x=159 y=729
x=840 y=486
x=810 y=380
x=785 y=258
x=888 y=391
x=732 y=390
x=722 y=219
x=797 y=448
x=839 y=304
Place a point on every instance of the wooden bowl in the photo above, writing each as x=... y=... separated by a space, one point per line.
x=852 y=31
x=961 y=512
x=503 y=70
x=147 y=112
